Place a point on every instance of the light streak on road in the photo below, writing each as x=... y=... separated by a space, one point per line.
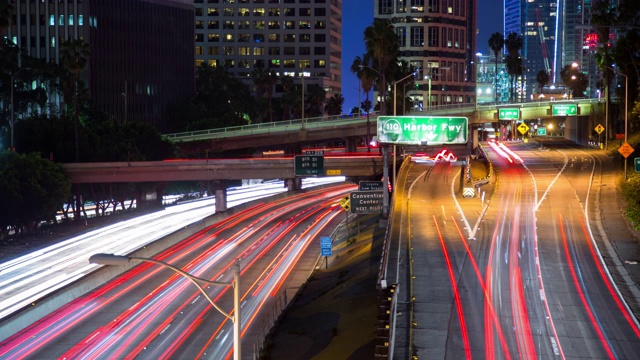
x=26 y=279
x=160 y=322
x=456 y=294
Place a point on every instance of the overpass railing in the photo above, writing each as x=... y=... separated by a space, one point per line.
x=332 y=121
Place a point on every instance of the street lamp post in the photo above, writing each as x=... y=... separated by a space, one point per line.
x=111 y=259
x=385 y=155
x=626 y=97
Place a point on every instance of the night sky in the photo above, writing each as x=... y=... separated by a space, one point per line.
x=358 y=14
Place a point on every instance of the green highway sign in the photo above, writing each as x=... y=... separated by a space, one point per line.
x=542 y=131
x=306 y=165
x=636 y=161
x=564 y=109
x=509 y=114
x=366 y=202
x=422 y=130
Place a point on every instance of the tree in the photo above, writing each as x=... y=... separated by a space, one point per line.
x=602 y=17
x=360 y=67
x=315 y=97
x=6 y=11
x=74 y=56
x=32 y=189
x=381 y=43
x=542 y=78
x=496 y=43
x=334 y=104
x=514 y=43
x=574 y=79
x=264 y=81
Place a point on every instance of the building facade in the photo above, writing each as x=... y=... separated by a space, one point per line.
x=554 y=35
x=439 y=38
x=298 y=38
x=141 y=51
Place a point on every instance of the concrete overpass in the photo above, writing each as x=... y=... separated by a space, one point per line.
x=292 y=133
x=217 y=171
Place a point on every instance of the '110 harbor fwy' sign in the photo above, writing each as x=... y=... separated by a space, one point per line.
x=422 y=130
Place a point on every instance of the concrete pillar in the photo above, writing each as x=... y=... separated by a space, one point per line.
x=577 y=129
x=351 y=144
x=220 y=191
x=293 y=184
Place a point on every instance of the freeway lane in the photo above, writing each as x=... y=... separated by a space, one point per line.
x=525 y=279
x=152 y=313
x=26 y=279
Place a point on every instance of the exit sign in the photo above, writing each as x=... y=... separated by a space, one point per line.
x=509 y=114
x=564 y=109
x=306 y=165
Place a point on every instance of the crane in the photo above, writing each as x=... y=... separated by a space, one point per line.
x=545 y=53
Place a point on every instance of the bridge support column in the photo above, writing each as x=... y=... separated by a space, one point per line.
x=150 y=198
x=220 y=191
x=351 y=144
x=577 y=130
x=293 y=184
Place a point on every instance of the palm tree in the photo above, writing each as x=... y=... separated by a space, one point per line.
x=542 y=78
x=514 y=43
x=366 y=76
x=496 y=43
x=334 y=104
x=74 y=56
x=381 y=43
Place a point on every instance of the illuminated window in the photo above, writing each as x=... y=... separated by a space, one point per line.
x=244 y=50
x=417 y=5
x=319 y=24
x=228 y=24
x=304 y=12
x=244 y=12
x=244 y=24
x=213 y=50
x=319 y=63
x=274 y=63
x=228 y=12
x=212 y=12
x=305 y=64
x=289 y=64
x=258 y=50
x=274 y=24
x=213 y=25
x=289 y=12
x=199 y=62
x=289 y=37
x=258 y=12
x=199 y=50
x=274 y=37
x=227 y=50
x=70 y=19
x=304 y=25
x=258 y=24
x=289 y=25
x=305 y=37
x=228 y=38
x=274 y=12
x=228 y=63
x=213 y=37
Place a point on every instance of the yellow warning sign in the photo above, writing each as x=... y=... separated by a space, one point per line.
x=333 y=172
x=599 y=129
x=523 y=128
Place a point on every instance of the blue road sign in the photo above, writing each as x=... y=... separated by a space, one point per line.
x=325 y=240
x=325 y=251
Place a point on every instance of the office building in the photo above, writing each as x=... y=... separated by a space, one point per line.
x=141 y=51
x=288 y=37
x=555 y=33
x=438 y=37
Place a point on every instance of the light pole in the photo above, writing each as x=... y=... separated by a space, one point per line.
x=626 y=95
x=111 y=259
x=385 y=155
